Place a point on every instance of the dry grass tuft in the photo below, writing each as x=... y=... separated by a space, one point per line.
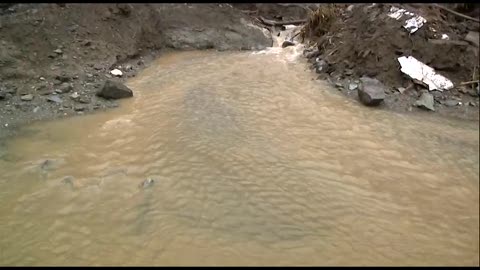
x=319 y=21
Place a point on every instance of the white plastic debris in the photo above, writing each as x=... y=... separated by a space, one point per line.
x=116 y=72
x=445 y=36
x=398 y=13
x=419 y=71
x=412 y=24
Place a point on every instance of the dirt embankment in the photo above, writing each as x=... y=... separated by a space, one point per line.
x=363 y=40
x=54 y=58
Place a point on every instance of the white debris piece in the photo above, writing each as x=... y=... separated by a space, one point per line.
x=398 y=13
x=412 y=24
x=116 y=72
x=445 y=36
x=419 y=71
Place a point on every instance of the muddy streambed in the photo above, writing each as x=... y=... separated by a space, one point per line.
x=254 y=163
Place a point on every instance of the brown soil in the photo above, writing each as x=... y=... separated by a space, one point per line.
x=364 y=41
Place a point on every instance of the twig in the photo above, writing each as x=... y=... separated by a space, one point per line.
x=473 y=75
x=249 y=11
x=457 y=13
x=291 y=39
x=277 y=23
x=470 y=82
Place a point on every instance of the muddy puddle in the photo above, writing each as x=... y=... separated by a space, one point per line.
x=254 y=163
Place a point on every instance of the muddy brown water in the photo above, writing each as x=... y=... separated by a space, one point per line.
x=254 y=162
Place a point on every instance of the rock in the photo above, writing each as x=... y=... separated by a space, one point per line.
x=140 y=62
x=349 y=72
x=451 y=103
x=44 y=90
x=114 y=90
x=11 y=90
x=128 y=67
x=89 y=75
x=97 y=67
x=3 y=95
x=147 y=183
x=474 y=93
x=28 y=97
x=68 y=180
x=321 y=66
x=56 y=82
x=55 y=99
x=471 y=103
x=79 y=108
x=74 y=96
x=65 y=87
x=312 y=54
x=371 y=92
x=125 y=9
x=425 y=102
x=116 y=72
x=84 y=100
x=287 y=43
x=58 y=91
x=87 y=43
x=112 y=105
x=352 y=86
x=35 y=110
x=401 y=89
x=42 y=79
x=63 y=78
x=473 y=37
x=58 y=51
x=51 y=164
x=463 y=90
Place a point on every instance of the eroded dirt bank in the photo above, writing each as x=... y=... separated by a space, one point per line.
x=67 y=51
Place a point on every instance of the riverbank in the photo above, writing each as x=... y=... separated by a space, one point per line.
x=349 y=42
x=54 y=58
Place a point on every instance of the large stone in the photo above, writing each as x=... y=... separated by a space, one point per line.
x=425 y=101
x=114 y=90
x=371 y=92
x=287 y=43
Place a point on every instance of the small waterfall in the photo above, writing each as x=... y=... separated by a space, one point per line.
x=290 y=53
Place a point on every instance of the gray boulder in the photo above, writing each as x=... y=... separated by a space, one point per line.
x=287 y=43
x=425 y=101
x=114 y=90
x=371 y=92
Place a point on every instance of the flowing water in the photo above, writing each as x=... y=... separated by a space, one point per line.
x=254 y=163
